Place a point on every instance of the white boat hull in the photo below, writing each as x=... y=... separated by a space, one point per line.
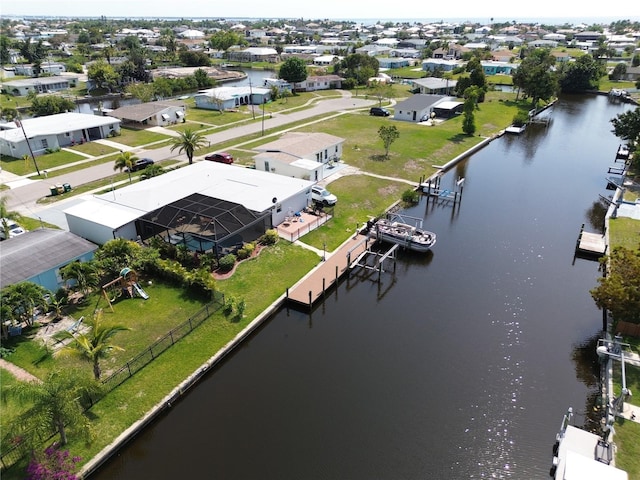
x=402 y=234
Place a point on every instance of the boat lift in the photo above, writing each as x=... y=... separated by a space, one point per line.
x=614 y=350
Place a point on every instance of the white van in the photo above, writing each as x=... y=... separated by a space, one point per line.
x=13 y=227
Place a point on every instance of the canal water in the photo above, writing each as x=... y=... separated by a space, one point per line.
x=253 y=77
x=460 y=365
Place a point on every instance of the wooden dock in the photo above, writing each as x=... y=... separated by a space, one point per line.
x=314 y=285
x=590 y=244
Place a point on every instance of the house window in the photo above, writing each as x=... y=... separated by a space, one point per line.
x=67 y=134
x=44 y=143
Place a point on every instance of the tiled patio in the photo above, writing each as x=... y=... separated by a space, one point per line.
x=300 y=225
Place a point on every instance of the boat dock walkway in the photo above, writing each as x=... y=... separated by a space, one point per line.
x=315 y=283
x=592 y=244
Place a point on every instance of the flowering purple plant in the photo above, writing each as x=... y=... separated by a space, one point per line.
x=54 y=464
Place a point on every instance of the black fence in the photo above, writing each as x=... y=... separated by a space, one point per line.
x=18 y=451
x=147 y=356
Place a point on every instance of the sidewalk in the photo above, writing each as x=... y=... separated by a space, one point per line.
x=24 y=193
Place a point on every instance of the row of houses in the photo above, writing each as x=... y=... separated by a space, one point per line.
x=206 y=206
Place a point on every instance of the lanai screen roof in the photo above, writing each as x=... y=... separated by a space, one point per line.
x=201 y=216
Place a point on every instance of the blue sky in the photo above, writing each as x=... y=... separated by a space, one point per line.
x=330 y=9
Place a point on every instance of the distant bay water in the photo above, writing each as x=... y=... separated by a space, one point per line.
x=586 y=20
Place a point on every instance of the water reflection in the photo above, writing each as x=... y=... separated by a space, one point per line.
x=459 y=365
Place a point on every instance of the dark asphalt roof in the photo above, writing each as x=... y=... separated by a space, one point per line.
x=39 y=251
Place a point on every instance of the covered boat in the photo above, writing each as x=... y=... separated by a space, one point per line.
x=403 y=234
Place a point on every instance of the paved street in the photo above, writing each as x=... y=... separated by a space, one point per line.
x=24 y=193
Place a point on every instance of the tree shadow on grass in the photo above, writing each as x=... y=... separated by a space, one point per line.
x=458 y=138
x=378 y=158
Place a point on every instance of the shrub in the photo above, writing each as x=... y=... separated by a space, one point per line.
x=246 y=251
x=54 y=463
x=410 y=196
x=228 y=306
x=520 y=119
x=270 y=237
x=209 y=261
x=227 y=262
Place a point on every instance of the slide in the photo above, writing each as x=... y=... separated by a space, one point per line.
x=140 y=291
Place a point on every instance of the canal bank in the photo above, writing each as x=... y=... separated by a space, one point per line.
x=317 y=282
x=469 y=321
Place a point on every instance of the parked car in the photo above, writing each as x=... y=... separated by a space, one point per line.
x=222 y=157
x=379 y=112
x=323 y=196
x=141 y=164
x=13 y=228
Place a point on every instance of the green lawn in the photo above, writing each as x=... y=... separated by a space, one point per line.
x=137 y=137
x=624 y=232
x=150 y=319
x=359 y=198
x=47 y=161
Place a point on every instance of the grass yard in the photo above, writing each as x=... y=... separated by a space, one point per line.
x=624 y=232
x=359 y=197
x=136 y=138
x=47 y=161
x=627 y=435
x=94 y=148
x=150 y=319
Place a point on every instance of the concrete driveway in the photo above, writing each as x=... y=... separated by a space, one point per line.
x=24 y=193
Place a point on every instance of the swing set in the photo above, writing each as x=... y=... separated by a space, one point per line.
x=125 y=284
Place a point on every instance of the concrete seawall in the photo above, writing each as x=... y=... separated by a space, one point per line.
x=193 y=379
x=177 y=392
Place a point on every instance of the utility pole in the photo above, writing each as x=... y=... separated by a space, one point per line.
x=251 y=99
x=19 y=123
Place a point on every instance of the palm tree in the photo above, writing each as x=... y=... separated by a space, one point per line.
x=125 y=161
x=56 y=406
x=188 y=142
x=4 y=214
x=85 y=273
x=94 y=345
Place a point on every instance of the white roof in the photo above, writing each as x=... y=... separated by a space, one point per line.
x=226 y=93
x=261 y=51
x=578 y=467
x=447 y=104
x=107 y=213
x=577 y=458
x=306 y=164
x=254 y=189
x=56 y=125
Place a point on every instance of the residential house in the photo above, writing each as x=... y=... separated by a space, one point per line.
x=319 y=82
x=588 y=36
x=254 y=54
x=405 y=53
x=300 y=155
x=503 y=55
x=227 y=98
x=281 y=85
x=390 y=62
x=192 y=34
x=418 y=107
x=491 y=67
x=540 y=43
x=39 y=255
x=23 y=87
x=632 y=74
x=433 y=86
x=30 y=70
x=326 y=60
x=206 y=206
x=151 y=114
x=374 y=50
x=561 y=56
x=433 y=64
x=53 y=132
